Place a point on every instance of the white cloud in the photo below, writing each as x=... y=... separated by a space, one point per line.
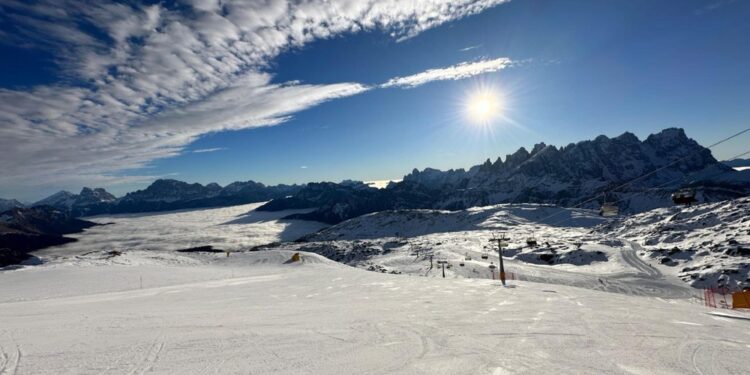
x=303 y=167
x=459 y=71
x=150 y=79
x=205 y=150
x=469 y=48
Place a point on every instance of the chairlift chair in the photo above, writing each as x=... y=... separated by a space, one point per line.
x=609 y=209
x=467 y=257
x=531 y=241
x=485 y=255
x=684 y=196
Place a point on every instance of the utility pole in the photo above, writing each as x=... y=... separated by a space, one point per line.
x=501 y=243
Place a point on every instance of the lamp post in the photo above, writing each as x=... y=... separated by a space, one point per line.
x=501 y=243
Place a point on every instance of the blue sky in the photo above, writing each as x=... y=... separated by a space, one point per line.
x=108 y=103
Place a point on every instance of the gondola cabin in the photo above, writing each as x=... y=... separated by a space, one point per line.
x=684 y=196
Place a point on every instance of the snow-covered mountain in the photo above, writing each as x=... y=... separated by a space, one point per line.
x=570 y=174
x=7 y=204
x=88 y=201
x=89 y=196
x=564 y=176
x=62 y=199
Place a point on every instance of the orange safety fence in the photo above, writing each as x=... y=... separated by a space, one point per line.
x=724 y=297
x=741 y=300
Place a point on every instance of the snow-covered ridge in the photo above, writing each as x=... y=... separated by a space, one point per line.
x=702 y=243
x=411 y=223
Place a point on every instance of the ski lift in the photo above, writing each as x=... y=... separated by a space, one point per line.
x=492 y=266
x=684 y=196
x=485 y=255
x=531 y=241
x=609 y=209
x=461 y=264
x=467 y=257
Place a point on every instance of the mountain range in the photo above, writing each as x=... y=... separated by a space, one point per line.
x=161 y=195
x=584 y=174
x=578 y=174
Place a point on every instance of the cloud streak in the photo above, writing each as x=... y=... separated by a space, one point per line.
x=140 y=82
x=206 y=150
x=455 y=72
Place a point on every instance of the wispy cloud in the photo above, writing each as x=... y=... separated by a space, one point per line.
x=303 y=167
x=204 y=150
x=469 y=48
x=158 y=77
x=459 y=71
x=712 y=6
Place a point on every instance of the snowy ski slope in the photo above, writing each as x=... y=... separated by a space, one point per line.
x=251 y=313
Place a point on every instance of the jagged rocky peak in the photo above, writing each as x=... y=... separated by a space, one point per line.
x=628 y=137
x=518 y=157
x=95 y=195
x=538 y=147
x=169 y=190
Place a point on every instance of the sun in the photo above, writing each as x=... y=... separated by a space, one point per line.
x=483 y=106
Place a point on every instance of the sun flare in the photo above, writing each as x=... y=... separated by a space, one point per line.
x=483 y=107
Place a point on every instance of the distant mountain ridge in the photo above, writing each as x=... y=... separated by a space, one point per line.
x=7 y=204
x=564 y=176
x=164 y=195
x=738 y=163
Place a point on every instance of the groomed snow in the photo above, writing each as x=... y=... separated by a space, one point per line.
x=251 y=313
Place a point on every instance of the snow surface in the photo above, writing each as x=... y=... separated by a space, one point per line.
x=569 y=252
x=586 y=302
x=700 y=244
x=227 y=228
x=252 y=313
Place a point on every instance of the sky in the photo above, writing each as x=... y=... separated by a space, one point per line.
x=118 y=94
